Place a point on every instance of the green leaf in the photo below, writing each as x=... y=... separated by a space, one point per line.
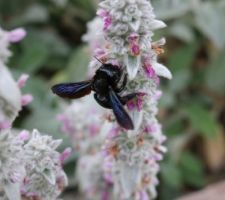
x=171 y=175
x=215 y=74
x=41 y=49
x=175 y=126
x=168 y=100
x=182 y=30
x=34 y=56
x=210 y=21
x=183 y=57
x=192 y=170
x=181 y=80
x=170 y=9
x=202 y=120
x=78 y=64
x=36 y=13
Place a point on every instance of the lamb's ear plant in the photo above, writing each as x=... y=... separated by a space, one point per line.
x=30 y=165
x=129 y=164
x=134 y=155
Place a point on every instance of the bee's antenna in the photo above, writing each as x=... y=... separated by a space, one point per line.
x=98 y=60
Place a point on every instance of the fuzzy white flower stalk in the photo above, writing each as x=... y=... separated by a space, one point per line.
x=133 y=155
x=85 y=122
x=30 y=166
x=129 y=26
x=45 y=178
x=11 y=99
x=12 y=167
x=130 y=158
x=94 y=36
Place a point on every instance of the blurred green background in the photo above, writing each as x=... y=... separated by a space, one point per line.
x=192 y=109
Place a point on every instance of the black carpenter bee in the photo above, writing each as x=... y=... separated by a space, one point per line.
x=108 y=81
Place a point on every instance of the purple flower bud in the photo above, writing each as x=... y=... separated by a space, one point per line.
x=65 y=154
x=136 y=102
x=16 y=35
x=22 y=80
x=26 y=99
x=133 y=37
x=144 y=195
x=157 y=95
x=94 y=129
x=24 y=135
x=135 y=49
x=107 y=22
x=102 y=13
x=105 y=195
x=66 y=127
x=4 y=125
x=150 y=72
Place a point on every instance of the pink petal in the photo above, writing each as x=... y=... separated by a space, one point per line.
x=158 y=95
x=16 y=35
x=135 y=49
x=144 y=195
x=26 y=99
x=4 y=125
x=105 y=195
x=133 y=37
x=24 y=135
x=65 y=154
x=102 y=13
x=22 y=80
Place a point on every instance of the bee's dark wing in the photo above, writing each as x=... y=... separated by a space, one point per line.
x=72 y=90
x=120 y=113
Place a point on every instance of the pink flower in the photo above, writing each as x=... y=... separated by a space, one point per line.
x=16 y=35
x=163 y=138
x=134 y=37
x=23 y=135
x=22 y=80
x=150 y=128
x=157 y=157
x=137 y=102
x=107 y=22
x=135 y=49
x=150 y=72
x=140 y=97
x=108 y=177
x=134 y=44
x=114 y=132
x=157 y=95
x=99 y=52
x=115 y=63
x=131 y=105
x=4 y=125
x=105 y=195
x=67 y=128
x=106 y=18
x=144 y=195
x=102 y=13
x=65 y=154
x=26 y=99
x=94 y=129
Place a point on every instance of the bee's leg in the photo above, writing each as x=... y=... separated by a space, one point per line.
x=103 y=101
x=127 y=98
